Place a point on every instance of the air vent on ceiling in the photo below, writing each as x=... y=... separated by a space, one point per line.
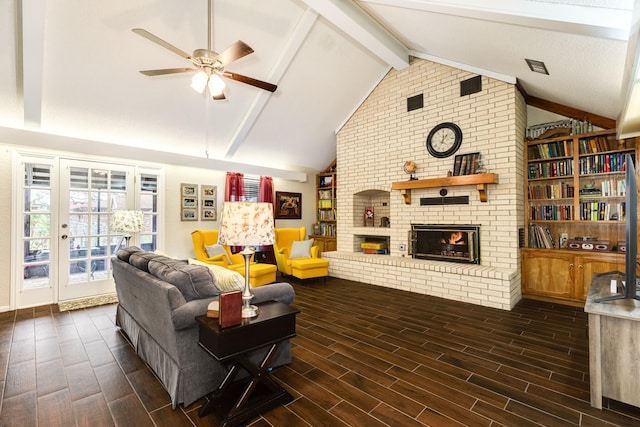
x=472 y=85
x=415 y=102
x=537 y=66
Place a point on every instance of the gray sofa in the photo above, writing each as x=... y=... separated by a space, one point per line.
x=158 y=300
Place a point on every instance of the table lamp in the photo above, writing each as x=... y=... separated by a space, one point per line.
x=127 y=222
x=249 y=225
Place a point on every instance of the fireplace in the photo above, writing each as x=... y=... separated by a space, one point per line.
x=455 y=243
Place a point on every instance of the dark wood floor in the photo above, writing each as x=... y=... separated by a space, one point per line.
x=364 y=356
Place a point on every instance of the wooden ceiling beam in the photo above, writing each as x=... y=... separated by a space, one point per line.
x=564 y=110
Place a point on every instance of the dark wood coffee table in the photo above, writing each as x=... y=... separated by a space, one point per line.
x=240 y=401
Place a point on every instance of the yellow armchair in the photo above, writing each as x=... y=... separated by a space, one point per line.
x=259 y=274
x=203 y=238
x=284 y=238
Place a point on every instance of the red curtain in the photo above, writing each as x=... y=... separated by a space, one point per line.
x=265 y=191
x=265 y=194
x=234 y=187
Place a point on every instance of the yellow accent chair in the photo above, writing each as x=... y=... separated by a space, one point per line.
x=307 y=267
x=259 y=274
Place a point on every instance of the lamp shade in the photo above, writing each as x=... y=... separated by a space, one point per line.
x=127 y=221
x=246 y=224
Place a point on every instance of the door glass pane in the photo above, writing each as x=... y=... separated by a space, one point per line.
x=79 y=201
x=118 y=180
x=99 y=179
x=36 y=226
x=79 y=177
x=37 y=200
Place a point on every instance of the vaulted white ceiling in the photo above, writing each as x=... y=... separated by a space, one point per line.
x=70 y=68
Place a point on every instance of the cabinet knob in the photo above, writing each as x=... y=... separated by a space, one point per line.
x=580 y=266
x=571 y=265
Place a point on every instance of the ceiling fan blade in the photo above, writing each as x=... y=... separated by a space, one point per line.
x=236 y=51
x=219 y=97
x=166 y=71
x=147 y=35
x=250 y=81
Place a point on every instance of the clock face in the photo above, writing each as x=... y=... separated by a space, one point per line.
x=444 y=140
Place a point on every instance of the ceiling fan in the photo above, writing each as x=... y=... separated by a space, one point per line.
x=209 y=65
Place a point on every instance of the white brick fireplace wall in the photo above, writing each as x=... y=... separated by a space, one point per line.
x=371 y=150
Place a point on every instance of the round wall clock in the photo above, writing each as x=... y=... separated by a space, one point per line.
x=444 y=140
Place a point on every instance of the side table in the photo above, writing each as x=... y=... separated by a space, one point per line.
x=240 y=401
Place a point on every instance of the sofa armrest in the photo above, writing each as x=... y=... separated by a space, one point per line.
x=282 y=292
x=184 y=317
x=315 y=251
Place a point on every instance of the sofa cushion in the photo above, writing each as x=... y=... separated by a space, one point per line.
x=213 y=250
x=301 y=249
x=141 y=259
x=193 y=281
x=124 y=253
x=227 y=280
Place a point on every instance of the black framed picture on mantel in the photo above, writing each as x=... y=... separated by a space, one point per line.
x=288 y=205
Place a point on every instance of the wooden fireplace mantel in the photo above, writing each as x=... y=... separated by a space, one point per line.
x=480 y=180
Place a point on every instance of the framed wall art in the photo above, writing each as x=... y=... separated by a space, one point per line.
x=288 y=205
x=209 y=208
x=188 y=202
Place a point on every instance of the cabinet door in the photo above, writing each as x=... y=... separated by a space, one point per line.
x=548 y=274
x=588 y=265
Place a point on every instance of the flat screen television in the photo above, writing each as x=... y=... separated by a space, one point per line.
x=631 y=236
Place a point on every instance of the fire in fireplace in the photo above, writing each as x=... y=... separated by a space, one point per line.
x=456 y=243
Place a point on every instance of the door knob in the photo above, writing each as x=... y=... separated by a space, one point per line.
x=64 y=237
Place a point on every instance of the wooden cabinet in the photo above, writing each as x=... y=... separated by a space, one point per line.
x=565 y=275
x=324 y=230
x=574 y=187
x=325 y=243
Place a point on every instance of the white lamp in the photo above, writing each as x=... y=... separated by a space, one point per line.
x=127 y=222
x=246 y=224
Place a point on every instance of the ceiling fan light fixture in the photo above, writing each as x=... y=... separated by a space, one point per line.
x=216 y=85
x=199 y=81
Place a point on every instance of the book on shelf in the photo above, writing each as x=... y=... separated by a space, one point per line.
x=540 y=237
x=551 y=191
x=551 y=213
x=602 y=163
x=602 y=211
x=551 y=169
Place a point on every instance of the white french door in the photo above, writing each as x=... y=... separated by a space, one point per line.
x=63 y=210
x=89 y=193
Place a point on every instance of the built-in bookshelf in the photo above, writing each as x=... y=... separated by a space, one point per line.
x=575 y=189
x=324 y=230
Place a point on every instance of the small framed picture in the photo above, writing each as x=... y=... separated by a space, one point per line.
x=189 y=202
x=189 y=189
x=189 y=215
x=209 y=214
x=288 y=205
x=209 y=209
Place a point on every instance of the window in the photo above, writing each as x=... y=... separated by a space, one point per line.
x=251 y=188
x=149 y=206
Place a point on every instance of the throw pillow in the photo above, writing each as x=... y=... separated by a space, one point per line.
x=227 y=280
x=301 y=249
x=216 y=249
x=193 y=281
